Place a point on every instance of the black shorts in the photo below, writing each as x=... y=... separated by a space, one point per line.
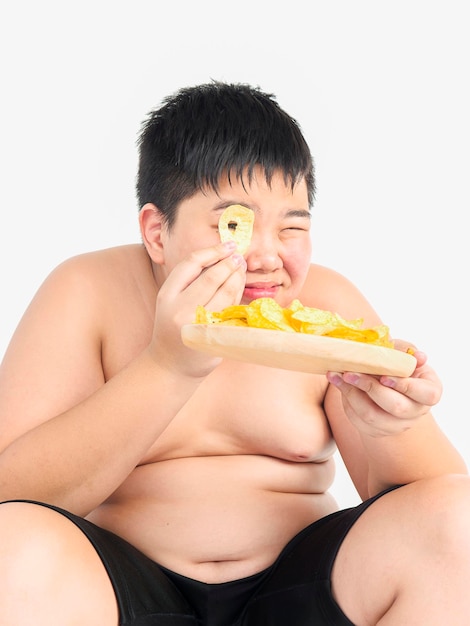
x=294 y=591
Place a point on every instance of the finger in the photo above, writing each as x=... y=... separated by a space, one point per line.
x=362 y=410
x=404 y=346
x=414 y=394
x=425 y=389
x=222 y=282
x=198 y=261
x=395 y=403
x=230 y=292
x=371 y=419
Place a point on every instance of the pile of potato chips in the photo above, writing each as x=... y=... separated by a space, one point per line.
x=296 y=318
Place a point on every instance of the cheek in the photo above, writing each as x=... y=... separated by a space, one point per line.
x=184 y=242
x=204 y=237
x=296 y=259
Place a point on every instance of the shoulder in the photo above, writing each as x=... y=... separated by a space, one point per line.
x=102 y=262
x=85 y=286
x=91 y=272
x=327 y=289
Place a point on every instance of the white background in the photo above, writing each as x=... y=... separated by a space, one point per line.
x=381 y=90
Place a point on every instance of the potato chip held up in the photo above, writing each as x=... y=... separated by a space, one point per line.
x=236 y=223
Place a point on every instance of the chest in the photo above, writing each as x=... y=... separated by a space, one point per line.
x=239 y=409
x=247 y=409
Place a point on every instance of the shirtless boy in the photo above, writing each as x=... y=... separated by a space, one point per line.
x=147 y=483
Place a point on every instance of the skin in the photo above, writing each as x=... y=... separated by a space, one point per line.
x=120 y=422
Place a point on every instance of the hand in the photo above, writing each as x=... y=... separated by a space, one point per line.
x=214 y=278
x=386 y=405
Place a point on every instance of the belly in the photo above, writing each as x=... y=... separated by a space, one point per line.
x=217 y=518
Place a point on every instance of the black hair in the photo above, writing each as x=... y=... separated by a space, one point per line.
x=202 y=133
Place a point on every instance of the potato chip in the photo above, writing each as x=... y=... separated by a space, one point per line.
x=236 y=223
x=319 y=322
x=234 y=315
x=267 y=313
x=236 y=311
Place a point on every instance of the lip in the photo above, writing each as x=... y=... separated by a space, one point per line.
x=253 y=291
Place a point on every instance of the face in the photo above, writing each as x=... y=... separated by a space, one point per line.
x=279 y=255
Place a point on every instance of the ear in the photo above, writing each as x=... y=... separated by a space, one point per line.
x=151 y=228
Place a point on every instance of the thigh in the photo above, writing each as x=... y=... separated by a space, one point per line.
x=297 y=588
x=137 y=589
x=50 y=571
x=398 y=545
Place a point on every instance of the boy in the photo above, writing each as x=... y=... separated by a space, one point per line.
x=147 y=483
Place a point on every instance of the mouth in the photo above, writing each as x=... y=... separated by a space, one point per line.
x=253 y=291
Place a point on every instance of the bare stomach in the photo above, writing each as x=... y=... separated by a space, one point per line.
x=217 y=518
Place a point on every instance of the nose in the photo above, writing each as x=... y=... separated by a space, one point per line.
x=263 y=253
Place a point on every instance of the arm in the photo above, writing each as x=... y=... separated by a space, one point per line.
x=383 y=427
x=67 y=436
x=387 y=421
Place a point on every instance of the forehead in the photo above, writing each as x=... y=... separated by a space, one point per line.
x=257 y=187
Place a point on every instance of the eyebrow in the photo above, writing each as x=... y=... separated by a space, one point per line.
x=298 y=213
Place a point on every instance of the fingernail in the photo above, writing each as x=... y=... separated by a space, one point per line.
x=229 y=244
x=350 y=378
x=238 y=259
x=334 y=379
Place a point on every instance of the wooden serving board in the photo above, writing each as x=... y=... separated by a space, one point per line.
x=296 y=351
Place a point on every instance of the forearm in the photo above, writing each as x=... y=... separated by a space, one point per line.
x=78 y=458
x=422 y=451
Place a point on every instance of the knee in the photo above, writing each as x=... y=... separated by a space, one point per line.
x=445 y=511
x=26 y=536
x=32 y=539
x=44 y=555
